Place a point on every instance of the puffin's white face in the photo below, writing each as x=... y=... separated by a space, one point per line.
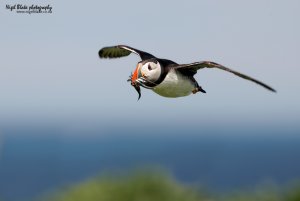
x=145 y=75
x=151 y=71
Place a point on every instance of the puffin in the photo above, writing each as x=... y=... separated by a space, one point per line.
x=165 y=77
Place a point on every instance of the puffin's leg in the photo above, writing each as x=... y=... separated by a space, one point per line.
x=197 y=87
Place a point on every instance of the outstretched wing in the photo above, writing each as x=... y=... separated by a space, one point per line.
x=122 y=51
x=193 y=67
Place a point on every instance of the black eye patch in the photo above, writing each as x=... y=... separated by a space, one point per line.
x=149 y=67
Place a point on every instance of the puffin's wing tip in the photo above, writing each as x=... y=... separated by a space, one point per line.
x=113 y=52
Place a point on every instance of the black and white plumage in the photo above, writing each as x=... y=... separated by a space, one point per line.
x=166 y=77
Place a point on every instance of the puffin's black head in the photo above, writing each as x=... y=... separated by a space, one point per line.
x=146 y=74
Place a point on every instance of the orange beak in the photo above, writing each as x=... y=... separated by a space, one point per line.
x=135 y=74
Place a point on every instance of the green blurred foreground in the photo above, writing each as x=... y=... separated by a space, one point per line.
x=159 y=186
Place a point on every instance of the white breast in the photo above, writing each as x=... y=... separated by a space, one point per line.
x=175 y=85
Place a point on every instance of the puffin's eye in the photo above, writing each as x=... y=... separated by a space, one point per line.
x=149 y=67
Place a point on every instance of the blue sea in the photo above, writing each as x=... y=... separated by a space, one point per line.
x=37 y=161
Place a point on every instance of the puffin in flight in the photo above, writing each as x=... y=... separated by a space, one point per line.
x=165 y=77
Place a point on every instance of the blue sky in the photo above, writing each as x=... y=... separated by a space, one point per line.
x=50 y=71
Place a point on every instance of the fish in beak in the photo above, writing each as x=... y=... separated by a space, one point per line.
x=133 y=79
